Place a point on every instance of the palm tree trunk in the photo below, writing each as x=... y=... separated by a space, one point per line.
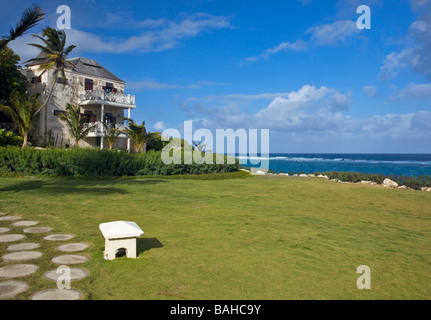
x=54 y=81
x=24 y=143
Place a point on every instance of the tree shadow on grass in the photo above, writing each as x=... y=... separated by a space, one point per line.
x=146 y=244
x=66 y=186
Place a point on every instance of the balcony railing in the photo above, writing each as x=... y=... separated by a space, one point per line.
x=7 y=126
x=100 y=95
x=98 y=127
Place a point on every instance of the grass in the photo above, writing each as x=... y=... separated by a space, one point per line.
x=238 y=238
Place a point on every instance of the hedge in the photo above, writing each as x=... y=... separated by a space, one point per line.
x=95 y=162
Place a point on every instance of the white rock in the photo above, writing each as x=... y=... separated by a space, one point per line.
x=244 y=170
x=365 y=182
x=312 y=175
x=260 y=172
x=402 y=187
x=388 y=183
x=303 y=175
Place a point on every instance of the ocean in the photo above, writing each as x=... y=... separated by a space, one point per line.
x=389 y=164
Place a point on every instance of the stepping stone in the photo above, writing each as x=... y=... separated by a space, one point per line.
x=3 y=230
x=11 y=237
x=9 y=289
x=21 y=256
x=37 y=230
x=9 y=218
x=2 y=214
x=22 y=246
x=69 y=259
x=24 y=223
x=59 y=237
x=71 y=247
x=57 y=294
x=17 y=270
x=75 y=274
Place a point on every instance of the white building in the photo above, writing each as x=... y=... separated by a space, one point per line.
x=99 y=93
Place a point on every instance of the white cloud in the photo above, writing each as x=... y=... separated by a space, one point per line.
x=333 y=33
x=370 y=91
x=415 y=91
x=298 y=45
x=395 y=62
x=309 y=114
x=160 y=35
x=309 y=108
x=323 y=35
x=150 y=84
x=416 y=53
x=160 y=126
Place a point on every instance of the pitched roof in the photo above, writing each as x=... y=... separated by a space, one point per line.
x=92 y=68
x=82 y=65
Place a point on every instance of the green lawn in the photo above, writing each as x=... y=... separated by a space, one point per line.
x=245 y=238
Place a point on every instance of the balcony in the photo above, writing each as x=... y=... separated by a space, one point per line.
x=98 y=130
x=107 y=98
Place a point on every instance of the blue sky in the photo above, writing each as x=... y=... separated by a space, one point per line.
x=300 y=68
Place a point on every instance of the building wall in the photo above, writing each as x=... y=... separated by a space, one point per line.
x=49 y=126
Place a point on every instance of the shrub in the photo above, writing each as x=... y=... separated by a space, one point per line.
x=95 y=162
x=8 y=138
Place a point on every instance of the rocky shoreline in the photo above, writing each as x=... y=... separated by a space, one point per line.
x=387 y=183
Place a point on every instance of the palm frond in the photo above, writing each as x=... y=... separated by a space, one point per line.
x=29 y=19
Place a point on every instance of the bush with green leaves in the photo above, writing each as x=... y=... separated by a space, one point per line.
x=8 y=138
x=95 y=162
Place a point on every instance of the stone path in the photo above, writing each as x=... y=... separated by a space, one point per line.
x=21 y=252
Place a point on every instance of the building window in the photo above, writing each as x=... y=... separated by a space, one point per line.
x=61 y=80
x=58 y=112
x=88 y=85
x=109 y=87
x=36 y=80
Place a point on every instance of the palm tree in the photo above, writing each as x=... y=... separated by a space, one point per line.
x=111 y=134
x=55 y=56
x=138 y=135
x=29 y=19
x=23 y=112
x=78 y=128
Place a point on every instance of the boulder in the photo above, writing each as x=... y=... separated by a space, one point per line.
x=402 y=187
x=388 y=183
x=303 y=175
x=365 y=182
x=260 y=172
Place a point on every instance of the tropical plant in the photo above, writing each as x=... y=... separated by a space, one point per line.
x=22 y=112
x=55 y=55
x=138 y=135
x=11 y=77
x=78 y=128
x=8 y=138
x=111 y=134
x=29 y=19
